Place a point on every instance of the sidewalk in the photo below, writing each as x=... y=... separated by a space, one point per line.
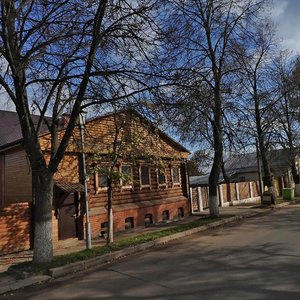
x=8 y=282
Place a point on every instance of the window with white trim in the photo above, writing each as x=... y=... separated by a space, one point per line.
x=161 y=177
x=126 y=179
x=144 y=176
x=175 y=176
x=101 y=180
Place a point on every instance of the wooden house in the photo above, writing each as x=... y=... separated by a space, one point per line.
x=156 y=164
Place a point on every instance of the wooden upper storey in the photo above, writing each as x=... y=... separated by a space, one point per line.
x=125 y=132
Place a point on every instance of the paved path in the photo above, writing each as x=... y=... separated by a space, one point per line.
x=256 y=259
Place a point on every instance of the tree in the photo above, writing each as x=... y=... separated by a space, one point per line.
x=285 y=78
x=129 y=139
x=199 y=163
x=105 y=160
x=203 y=35
x=258 y=93
x=53 y=53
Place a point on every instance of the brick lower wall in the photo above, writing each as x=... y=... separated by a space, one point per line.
x=138 y=215
x=15 y=226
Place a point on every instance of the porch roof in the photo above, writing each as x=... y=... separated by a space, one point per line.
x=70 y=187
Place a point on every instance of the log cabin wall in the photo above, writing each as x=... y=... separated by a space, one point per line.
x=135 y=201
x=137 y=193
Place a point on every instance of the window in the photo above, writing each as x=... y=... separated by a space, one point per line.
x=176 y=176
x=161 y=175
x=165 y=215
x=145 y=175
x=103 y=229
x=129 y=223
x=126 y=180
x=148 y=220
x=180 y=212
x=101 y=182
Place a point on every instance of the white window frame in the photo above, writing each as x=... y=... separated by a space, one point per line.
x=157 y=174
x=98 y=188
x=130 y=186
x=140 y=176
x=179 y=176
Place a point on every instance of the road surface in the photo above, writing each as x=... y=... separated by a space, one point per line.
x=258 y=258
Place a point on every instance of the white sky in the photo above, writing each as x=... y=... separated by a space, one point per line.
x=286 y=14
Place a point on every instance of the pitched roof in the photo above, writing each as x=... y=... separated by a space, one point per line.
x=70 y=187
x=278 y=159
x=10 y=129
x=202 y=180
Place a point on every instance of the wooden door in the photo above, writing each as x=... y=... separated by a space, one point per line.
x=67 y=222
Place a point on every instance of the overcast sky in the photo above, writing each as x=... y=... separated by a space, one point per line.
x=287 y=17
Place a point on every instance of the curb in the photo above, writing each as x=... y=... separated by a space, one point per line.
x=285 y=203
x=106 y=258
x=24 y=283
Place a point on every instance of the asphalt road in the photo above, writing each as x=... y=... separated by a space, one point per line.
x=258 y=258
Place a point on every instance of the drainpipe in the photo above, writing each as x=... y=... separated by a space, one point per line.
x=85 y=179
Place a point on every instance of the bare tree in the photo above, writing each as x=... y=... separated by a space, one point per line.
x=132 y=139
x=202 y=37
x=259 y=95
x=53 y=53
x=105 y=161
x=285 y=77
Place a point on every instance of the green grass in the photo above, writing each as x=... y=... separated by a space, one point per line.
x=61 y=260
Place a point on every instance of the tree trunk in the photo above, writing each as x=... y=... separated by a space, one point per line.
x=43 y=193
x=226 y=178
x=296 y=177
x=267 y=179
x=214 y=175
x=110 y=235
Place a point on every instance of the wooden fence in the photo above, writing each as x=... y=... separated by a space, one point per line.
x=228 y=193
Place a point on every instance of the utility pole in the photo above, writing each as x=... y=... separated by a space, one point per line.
x=259 y=171
x=86 y=194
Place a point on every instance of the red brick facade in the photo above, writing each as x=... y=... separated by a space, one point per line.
x=138 y=215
